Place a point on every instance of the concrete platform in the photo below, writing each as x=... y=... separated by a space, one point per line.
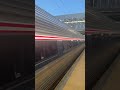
x=75 y=77
x=111 y=78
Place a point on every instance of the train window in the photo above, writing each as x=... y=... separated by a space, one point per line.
x=45 y=49
x=67 y=45
x=60 y=47
x=37 y=51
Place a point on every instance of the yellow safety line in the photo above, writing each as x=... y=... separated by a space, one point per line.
x=76 y=79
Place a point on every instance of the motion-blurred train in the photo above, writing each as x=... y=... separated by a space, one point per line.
x=17 y=31
x=22 y=47
x=99 y=24
x=52 y=37
x=102 y=44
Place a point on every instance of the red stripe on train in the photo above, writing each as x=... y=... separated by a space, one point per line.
x=17 y=31
x=91 y=31
x=96 y=30
x=38 y=37
x=17 y=25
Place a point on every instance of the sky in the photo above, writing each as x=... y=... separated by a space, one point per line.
x=62 y=7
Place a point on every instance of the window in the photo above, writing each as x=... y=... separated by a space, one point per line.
x=45 y=49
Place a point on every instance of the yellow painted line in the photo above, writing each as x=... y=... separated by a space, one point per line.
x=75 y=76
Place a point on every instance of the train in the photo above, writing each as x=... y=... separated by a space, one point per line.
x=57 y=46
x=52 y=37
x=17 y=31
x=102 y=44
x=28 y=40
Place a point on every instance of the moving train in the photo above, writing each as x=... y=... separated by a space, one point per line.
x=17 y=31
x=98 y=23
x=52 y=37
x=22 y=47
x=102 y=45
x=57 y=46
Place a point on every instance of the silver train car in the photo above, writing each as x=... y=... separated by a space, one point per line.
x=52 y=37
x=17 y=31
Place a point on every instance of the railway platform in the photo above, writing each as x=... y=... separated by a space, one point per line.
x=110 y=80
x=75 y=77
